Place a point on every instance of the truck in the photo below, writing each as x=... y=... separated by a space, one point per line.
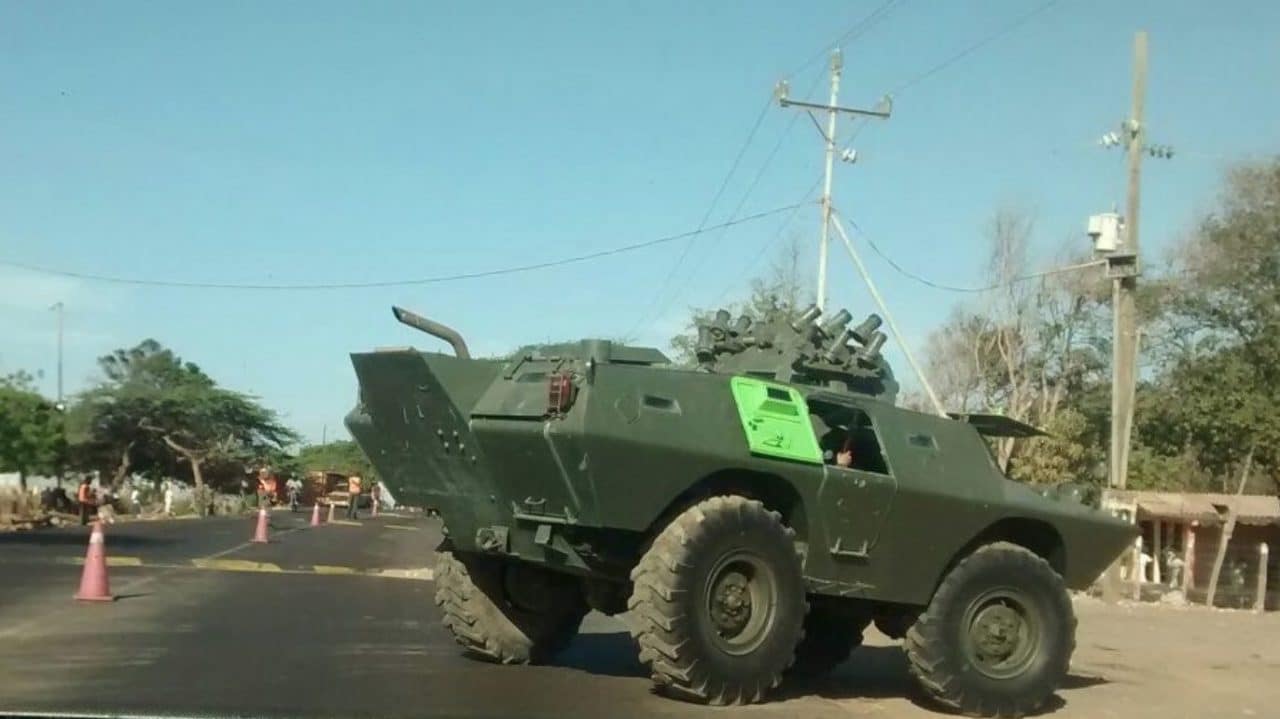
x=748 y=517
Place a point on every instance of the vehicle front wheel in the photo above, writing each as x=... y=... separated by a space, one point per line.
x=718 y=602
x=997 y=637
x=506 y=611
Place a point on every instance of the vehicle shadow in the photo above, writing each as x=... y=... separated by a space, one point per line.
x=878 y=672
x=611 y=654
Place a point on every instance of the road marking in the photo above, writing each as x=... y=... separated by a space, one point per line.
x=111 y=561
x=401 y=526
x=330 y=569
x=346 y=523
x=235 y=565
x=424 y=574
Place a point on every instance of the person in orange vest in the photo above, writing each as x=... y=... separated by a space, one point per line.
x=266 y=487
x=85 y=496
x=353 y=489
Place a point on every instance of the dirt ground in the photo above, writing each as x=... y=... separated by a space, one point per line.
x=1167 y=661
x=1131 y=661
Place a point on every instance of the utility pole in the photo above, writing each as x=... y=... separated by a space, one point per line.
x=837 y=64
x=1116 y=240
x=1125 y=282
x=1124 y=285
x=57 y=307
x=829 y=136
x=61 y=408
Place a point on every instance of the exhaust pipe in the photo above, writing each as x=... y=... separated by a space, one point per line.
x=435 y=329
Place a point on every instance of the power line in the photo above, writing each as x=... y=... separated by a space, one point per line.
x=715 y=241
x=139 y=281
x=715 y=200
x=1010 y=27
x=859 y=28
x=953 y=288
x=777 y=235
x=659 y=304
x=855 y=31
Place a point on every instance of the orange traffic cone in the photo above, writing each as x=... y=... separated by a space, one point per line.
x=315 y=514
x=330 y=519
x=260 y=534
x=93 y=580
x=375 y=508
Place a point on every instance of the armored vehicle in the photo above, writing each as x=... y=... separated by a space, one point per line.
x=750 y=516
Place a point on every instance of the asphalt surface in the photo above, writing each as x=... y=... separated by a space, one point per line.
x=337 y=621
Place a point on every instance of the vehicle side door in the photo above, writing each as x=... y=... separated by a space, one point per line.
x=855 y=500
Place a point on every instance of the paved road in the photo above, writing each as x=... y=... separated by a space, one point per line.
x=338 y=622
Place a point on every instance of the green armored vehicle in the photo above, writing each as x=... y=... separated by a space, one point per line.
x=751 y=516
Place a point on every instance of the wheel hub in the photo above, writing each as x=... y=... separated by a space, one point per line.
x=741 y=596
x=996 y=630
x=731 y=604
x=1002 y=634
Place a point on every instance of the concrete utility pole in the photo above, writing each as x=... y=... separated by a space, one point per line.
x=829 y=136
x=57 y=307
x=1117 y=241
x=1125 y=280
x=62 y=409
x=837 y=64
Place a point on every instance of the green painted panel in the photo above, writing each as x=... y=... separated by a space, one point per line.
x=775 y=420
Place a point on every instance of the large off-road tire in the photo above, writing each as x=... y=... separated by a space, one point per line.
x=997 y=637
x=831 y=632
x=506 y=611
x=718 y=602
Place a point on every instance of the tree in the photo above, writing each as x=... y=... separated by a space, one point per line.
x=342 y=456
x=1065 y=455
x=31 y=437
x=1023 y=350
x=202 y=423
x=782 y=289
x=155 y=411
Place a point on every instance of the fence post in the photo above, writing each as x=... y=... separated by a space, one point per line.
x=1137 y=574
x=1261 y=604
x=1189 y=558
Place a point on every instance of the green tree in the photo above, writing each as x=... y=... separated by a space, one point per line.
x=1219 y=357
x=1065 y=455
x=153 y=410
x=31 y=436
x=340 y=456
x=782 y=289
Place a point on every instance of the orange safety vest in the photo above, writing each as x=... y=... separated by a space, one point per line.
x=83 y=495
x=353 y=485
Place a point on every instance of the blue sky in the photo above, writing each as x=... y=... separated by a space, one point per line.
x=345 y=142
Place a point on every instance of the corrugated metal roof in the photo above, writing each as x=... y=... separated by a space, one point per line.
x=1203 y=506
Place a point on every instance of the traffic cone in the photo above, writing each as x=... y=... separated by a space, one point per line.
x=375 y=509
x=93 y=580
x=260 y=534
x=315 y=514
x=330 y=519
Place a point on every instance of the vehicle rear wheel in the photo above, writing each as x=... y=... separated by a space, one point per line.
x=718 y=602
x=832 y=631
x=506 y=611
x=997 y=637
